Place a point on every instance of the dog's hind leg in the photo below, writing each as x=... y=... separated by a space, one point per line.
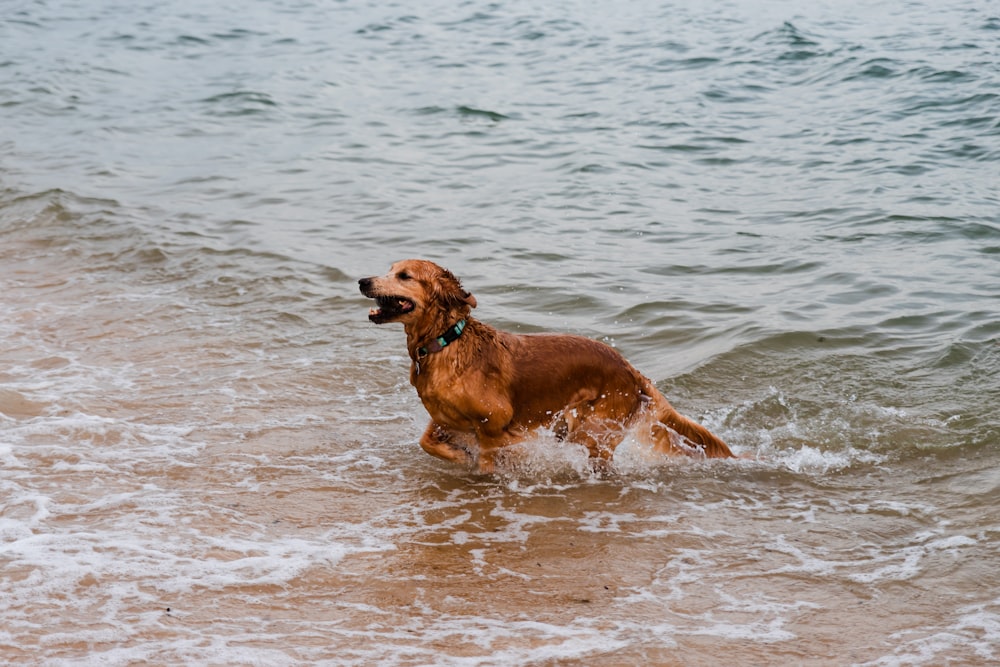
x=673 y=433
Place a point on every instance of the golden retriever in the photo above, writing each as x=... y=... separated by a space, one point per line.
x=486 y=389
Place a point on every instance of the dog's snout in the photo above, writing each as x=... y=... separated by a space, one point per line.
x=365 y=285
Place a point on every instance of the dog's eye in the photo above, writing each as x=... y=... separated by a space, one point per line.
x=403 y=275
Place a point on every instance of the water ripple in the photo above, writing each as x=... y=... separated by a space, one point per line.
x=787 y=219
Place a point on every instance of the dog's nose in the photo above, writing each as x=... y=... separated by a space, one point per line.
x=364 y=285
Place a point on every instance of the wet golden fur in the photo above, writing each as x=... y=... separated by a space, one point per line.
x=489 y=388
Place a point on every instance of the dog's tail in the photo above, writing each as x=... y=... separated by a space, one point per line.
x=673 y=433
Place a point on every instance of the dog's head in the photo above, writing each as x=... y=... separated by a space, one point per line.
x=416 y=290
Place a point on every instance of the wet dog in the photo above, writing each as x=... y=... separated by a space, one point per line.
x=486 y=389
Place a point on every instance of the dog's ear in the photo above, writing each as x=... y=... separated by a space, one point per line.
x=452 y=292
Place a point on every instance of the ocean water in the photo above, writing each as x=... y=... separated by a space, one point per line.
x=786 y=214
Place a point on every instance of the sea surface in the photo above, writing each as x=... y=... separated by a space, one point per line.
x=785 y=213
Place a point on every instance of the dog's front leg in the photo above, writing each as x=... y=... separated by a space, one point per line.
x=442 y=443
x=492 y=436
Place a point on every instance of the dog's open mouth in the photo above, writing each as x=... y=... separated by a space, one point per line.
x=388 y=308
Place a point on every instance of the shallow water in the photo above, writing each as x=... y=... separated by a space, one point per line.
x=785 y=215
